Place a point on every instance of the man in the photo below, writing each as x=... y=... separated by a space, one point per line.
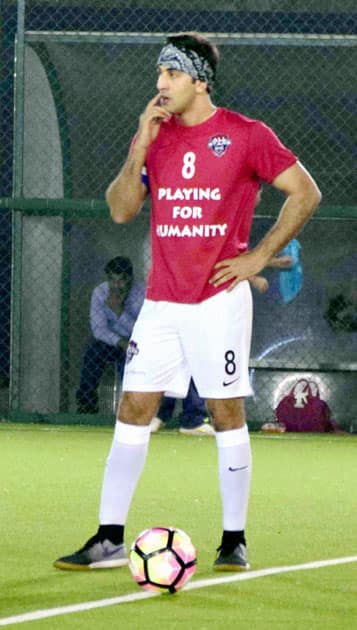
x=115 y=305
x=203 y=166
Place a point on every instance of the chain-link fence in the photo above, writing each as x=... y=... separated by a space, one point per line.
x=74 y=78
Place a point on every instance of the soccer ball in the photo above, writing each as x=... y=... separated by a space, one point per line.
x=162 y=559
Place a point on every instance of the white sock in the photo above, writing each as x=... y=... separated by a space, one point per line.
x=234 y=466
x=124 y=466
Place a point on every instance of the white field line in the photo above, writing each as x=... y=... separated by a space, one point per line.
x=134 y=597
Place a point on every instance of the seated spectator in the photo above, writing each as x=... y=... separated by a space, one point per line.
x=115 y=305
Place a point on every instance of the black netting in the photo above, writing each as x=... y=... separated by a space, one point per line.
x=99 y=97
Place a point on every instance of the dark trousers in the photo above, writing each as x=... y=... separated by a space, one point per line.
x=96 y=357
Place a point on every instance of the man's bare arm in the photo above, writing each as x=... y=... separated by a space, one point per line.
x=126 y=194
x=303 y=197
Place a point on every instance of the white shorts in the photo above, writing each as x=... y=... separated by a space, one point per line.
x=209 y=341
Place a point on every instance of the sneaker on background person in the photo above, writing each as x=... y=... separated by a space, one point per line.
x=205 y=428
x=202 y=429
x=156 y=424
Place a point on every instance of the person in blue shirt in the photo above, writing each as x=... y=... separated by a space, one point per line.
x=114 y=308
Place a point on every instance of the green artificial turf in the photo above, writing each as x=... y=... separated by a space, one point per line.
x=302 y=509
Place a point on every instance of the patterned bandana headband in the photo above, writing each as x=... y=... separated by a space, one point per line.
x=186 y=60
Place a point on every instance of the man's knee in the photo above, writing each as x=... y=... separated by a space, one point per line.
x=226 y=414
x=138 y=407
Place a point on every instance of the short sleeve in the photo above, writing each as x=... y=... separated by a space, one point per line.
x=267 y=155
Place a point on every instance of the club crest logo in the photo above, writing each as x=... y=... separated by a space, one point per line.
x=219 y=145
x=132 y=350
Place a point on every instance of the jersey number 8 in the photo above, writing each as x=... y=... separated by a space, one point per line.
x=188 y=169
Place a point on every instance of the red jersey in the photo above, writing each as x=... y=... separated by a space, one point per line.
x=204 y=182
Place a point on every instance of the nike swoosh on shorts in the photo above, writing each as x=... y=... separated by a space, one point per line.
x=226 y=383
